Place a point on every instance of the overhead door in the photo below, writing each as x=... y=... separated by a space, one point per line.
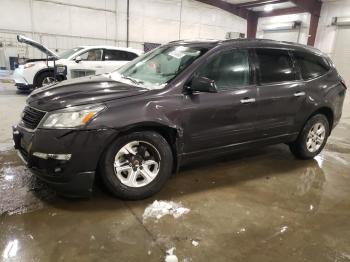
x=283 y=35
x=341 y=55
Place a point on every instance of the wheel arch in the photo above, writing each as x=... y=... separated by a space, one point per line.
x=35 y=80
x=326 y=111
x=170 y=134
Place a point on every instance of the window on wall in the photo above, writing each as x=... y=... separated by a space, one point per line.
x=228 y=69
x=275 y=65
x=92 y=55
x=311 y=66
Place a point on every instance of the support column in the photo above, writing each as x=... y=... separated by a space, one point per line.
x=313 y=30
x=252 y=25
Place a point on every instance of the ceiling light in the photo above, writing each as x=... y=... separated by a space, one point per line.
x=268 y=8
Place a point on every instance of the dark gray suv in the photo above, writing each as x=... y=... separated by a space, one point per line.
x=184 y=100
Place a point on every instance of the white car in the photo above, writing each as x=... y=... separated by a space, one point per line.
x=73 y=63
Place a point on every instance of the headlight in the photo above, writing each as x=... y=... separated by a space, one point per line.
x=72 y=117
x=27 y=65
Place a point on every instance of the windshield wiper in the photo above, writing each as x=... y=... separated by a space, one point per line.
x=136 y=82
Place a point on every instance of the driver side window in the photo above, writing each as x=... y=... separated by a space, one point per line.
x=229 y=70
x=92 y=55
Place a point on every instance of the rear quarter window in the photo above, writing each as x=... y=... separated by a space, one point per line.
x=119 y=55
x=311 y=65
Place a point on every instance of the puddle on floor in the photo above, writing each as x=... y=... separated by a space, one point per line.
x=21 y=192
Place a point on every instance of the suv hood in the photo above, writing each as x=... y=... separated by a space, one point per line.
x=44 y=49
x=81 y=91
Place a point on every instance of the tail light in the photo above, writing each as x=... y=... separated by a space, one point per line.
x=343 y=82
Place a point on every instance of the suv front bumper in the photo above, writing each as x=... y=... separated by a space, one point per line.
x=20 y=82
x=71 y=177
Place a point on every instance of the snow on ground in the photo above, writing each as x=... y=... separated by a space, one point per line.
x=6 y=147
x=195 y=243
x=170 y=257
x=158 y=209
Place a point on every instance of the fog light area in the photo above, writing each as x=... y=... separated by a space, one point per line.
x=64 y=157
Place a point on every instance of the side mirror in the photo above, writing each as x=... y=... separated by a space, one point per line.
x=203 y=84
x=77 y=59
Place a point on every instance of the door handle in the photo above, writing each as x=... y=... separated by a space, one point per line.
x=247 y=100
x=300 y=93
x=98 y=66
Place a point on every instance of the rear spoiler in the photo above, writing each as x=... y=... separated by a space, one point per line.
x=45 y=50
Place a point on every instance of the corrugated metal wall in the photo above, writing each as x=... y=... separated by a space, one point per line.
x=63 y=24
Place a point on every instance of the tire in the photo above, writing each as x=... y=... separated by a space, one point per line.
x=304 y=147
x=118 y=182
x=41 y=78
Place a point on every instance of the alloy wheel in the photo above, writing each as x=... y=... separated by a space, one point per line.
x=315 y=137
x=137 y=164
x=48 y=80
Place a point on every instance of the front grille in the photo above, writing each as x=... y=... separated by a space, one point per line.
x=31 y=117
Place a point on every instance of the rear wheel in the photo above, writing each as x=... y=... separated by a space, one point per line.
x=136 y=166
x=312 y=138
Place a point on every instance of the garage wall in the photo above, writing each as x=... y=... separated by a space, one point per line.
x=161 y=21
x=334 y=40
x=285 y=35
x=325 y=30
x=63 y=24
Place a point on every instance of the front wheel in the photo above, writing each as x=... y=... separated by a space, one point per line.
x=312 y=138
x=45 y=78
x=136 y=166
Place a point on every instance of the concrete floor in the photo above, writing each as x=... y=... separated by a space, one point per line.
x=261 y=205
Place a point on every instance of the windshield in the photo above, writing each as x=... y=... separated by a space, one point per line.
x=156 y=68
x=66 y=54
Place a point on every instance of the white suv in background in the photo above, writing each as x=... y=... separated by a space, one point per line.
x=73 y=63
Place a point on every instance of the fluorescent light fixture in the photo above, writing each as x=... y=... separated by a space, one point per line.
x=268 y=8
x=341 y=21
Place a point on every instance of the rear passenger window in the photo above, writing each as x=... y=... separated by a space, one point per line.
x=275 y=66
x=311 y=66
x=228 y=70
x=118 y=55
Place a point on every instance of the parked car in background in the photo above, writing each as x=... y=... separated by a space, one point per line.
x=72 y=63
x=179 y=102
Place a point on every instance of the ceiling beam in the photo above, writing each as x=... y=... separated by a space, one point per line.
x=233 y=9
x=311 y=6
x=260 y=3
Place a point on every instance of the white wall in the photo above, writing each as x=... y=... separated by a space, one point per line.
x=63 y=24
x=326 y=33
x=263 y=22
x=161 y=21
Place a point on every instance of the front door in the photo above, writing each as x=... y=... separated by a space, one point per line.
x=90 y=64
x=226 y=117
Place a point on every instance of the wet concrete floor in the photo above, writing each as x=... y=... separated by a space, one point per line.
x=260 y=205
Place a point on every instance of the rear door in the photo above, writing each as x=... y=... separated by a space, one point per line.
x=281 y=92
x=113 y=59
x=214 y=120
